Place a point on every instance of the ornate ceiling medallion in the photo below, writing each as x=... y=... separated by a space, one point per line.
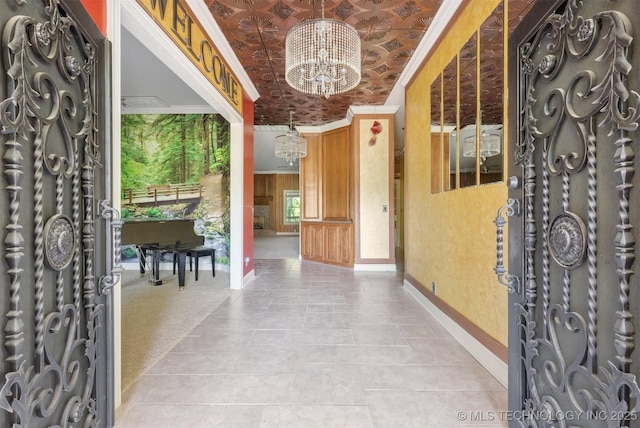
x=567 y=240
x=59 y=244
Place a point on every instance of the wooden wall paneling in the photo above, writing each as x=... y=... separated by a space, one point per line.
x=261 y=185
x=262 y=188
x=270 y=190
x=317 y=239
x=306 y=241
x=312 y=237
x=338 y=248
x=276 y=208
x=326 y=188
x=311 y=178
x=332 y=244
x=346 y=253
x=258 y=185
x=336 y=175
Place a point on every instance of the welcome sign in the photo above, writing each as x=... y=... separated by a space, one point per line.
x=178 y=21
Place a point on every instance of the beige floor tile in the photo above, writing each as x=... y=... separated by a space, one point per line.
x=163 y=416
x=376 y=354
x=307 y=345
x=316 y=417
x=231 y=416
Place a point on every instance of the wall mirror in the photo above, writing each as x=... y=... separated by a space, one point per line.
x=449 y=123
x=467 y=147
x=491 y=96
x=436 y=135
x=468 y=111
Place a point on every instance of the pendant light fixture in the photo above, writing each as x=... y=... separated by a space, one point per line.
x=291 y=146
x=322 y=57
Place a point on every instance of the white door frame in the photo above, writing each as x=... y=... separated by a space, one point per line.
x=129 y=13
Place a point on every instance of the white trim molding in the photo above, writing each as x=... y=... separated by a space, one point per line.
x=249 y=277
x=383 y=109
x=374 y=267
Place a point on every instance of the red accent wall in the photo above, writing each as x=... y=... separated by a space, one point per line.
x=247 y=120
x=98 y=11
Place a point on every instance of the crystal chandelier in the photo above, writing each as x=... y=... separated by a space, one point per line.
x=291 y=146
x=322 y=57
x=489 y=145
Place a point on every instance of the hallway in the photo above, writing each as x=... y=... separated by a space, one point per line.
x=310 y=345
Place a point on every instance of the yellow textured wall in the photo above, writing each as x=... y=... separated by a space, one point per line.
x=451 y=237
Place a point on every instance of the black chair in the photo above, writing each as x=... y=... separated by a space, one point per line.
x=202 y=251
x=197 y=252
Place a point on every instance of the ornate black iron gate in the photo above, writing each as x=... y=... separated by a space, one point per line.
x=573 y=207
x=55 y=301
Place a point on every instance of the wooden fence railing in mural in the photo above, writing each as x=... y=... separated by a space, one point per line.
x=162 y=194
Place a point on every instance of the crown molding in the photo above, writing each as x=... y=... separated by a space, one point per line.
x=383 y=109
x=271 y=128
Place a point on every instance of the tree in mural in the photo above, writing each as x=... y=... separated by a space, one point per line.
x=179 y=158
x=133 y=135
x=177 y=149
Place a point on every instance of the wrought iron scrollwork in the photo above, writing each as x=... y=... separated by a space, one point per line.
x=568 y=121
x=512 y=282
x=107 y=282
x=53 y=346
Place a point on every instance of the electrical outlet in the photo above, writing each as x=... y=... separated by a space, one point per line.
x=433 y=287
x=385 y=208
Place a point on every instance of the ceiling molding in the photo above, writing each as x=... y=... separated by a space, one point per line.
x=181 y=109
x=324 y=128
x=383 y=109
x=292 y=171
x=266 y=128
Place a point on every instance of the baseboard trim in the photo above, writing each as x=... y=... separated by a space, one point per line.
x=287 y=233
x=375 y=267
x=491 y=354
x=248 y=278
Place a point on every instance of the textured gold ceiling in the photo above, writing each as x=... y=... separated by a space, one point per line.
x=390 y=31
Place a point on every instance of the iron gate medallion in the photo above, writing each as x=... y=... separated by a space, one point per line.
x=567 y=240
x=59 y=242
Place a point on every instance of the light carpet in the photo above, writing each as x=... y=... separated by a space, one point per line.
x=156 y=318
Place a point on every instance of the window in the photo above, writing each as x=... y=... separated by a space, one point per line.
x=291 y=206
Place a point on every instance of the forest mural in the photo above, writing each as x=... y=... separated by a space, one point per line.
x=177 y=166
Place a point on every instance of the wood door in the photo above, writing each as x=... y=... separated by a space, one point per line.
x=573 y=356
x=56 y=310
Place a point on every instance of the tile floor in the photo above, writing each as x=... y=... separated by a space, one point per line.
x=309 y=345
